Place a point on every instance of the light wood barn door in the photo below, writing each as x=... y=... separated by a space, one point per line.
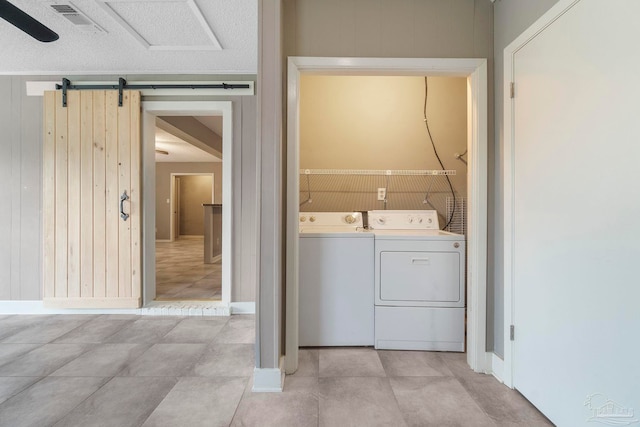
x=92 y=252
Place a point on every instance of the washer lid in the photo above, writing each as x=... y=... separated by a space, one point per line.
x=329 y=231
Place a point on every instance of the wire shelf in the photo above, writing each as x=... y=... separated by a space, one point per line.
x=340 y=190
x=458 y=213
x=390 y=172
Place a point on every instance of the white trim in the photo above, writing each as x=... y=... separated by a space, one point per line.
x=187 y=108
x=497 y=366
x=163 y=240
x=293 y=198
x=197 y=14
x=37 y=307
x=477 y=125
x=243 y=307
x=157 y=308
x=38 y=88
x=476 y=72
x=269 y=379
x=509 y=315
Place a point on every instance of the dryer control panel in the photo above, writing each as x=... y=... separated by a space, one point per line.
x=403 y=220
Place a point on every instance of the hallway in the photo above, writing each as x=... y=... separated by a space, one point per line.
x=127 y=370
x=181 y=273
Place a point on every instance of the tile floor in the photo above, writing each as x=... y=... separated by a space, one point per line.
x=181 y=273
x=122 y=370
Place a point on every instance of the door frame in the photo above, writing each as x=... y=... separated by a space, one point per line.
x=475 y=70
x=150 y=110
x=175 y=184
x=172 y=201
x=536 y=28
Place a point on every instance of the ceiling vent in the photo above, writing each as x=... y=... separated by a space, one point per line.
x=81 y=21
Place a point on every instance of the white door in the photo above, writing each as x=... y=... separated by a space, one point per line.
x=576 y=246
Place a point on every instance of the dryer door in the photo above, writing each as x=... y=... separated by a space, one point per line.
x=422 y=277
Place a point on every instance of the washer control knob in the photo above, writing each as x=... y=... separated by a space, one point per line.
x=350 y=219
x=381 y=220
x=430 y=220
x=456 y=245
x=410 y=220
x=419 y=220
x=303 y=218
x=312 y=219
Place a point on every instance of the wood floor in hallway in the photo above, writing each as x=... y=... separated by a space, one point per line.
x=181 y=273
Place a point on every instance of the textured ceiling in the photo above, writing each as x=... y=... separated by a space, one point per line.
x=116 y=51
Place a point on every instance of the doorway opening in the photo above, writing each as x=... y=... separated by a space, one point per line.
x=183 y=269
x=474 y=73
x=189 y=193
x=187 y=201
x=188 y=160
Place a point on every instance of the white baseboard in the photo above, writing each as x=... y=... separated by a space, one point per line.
x=243 y=308
x=156 y=308
x=269 y=379
x=37 y=307
x=497 y=366
x=164 y=240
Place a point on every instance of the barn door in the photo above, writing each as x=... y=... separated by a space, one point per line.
x=91 y=203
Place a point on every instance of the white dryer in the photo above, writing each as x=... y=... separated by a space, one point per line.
x=335 y=280
x=419 y=282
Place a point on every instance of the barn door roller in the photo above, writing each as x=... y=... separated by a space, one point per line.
x=122 y=85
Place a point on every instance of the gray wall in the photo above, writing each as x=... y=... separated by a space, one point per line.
x=245 y=199
x=511 y=18
x=195 y=190
x=20 y=168
x=163 y=189
x=398 y=28
x=20 y=192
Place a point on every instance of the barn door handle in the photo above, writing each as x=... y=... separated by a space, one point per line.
x=124 y=197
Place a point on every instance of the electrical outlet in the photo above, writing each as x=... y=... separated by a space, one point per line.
x=382 y=193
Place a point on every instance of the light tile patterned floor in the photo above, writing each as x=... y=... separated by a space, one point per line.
x=126 y=370
x=181 y=273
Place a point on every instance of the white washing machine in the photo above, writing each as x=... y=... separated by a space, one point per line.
x=335 y=279
x=419 y=282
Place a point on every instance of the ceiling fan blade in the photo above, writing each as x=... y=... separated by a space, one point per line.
x=26 y=23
